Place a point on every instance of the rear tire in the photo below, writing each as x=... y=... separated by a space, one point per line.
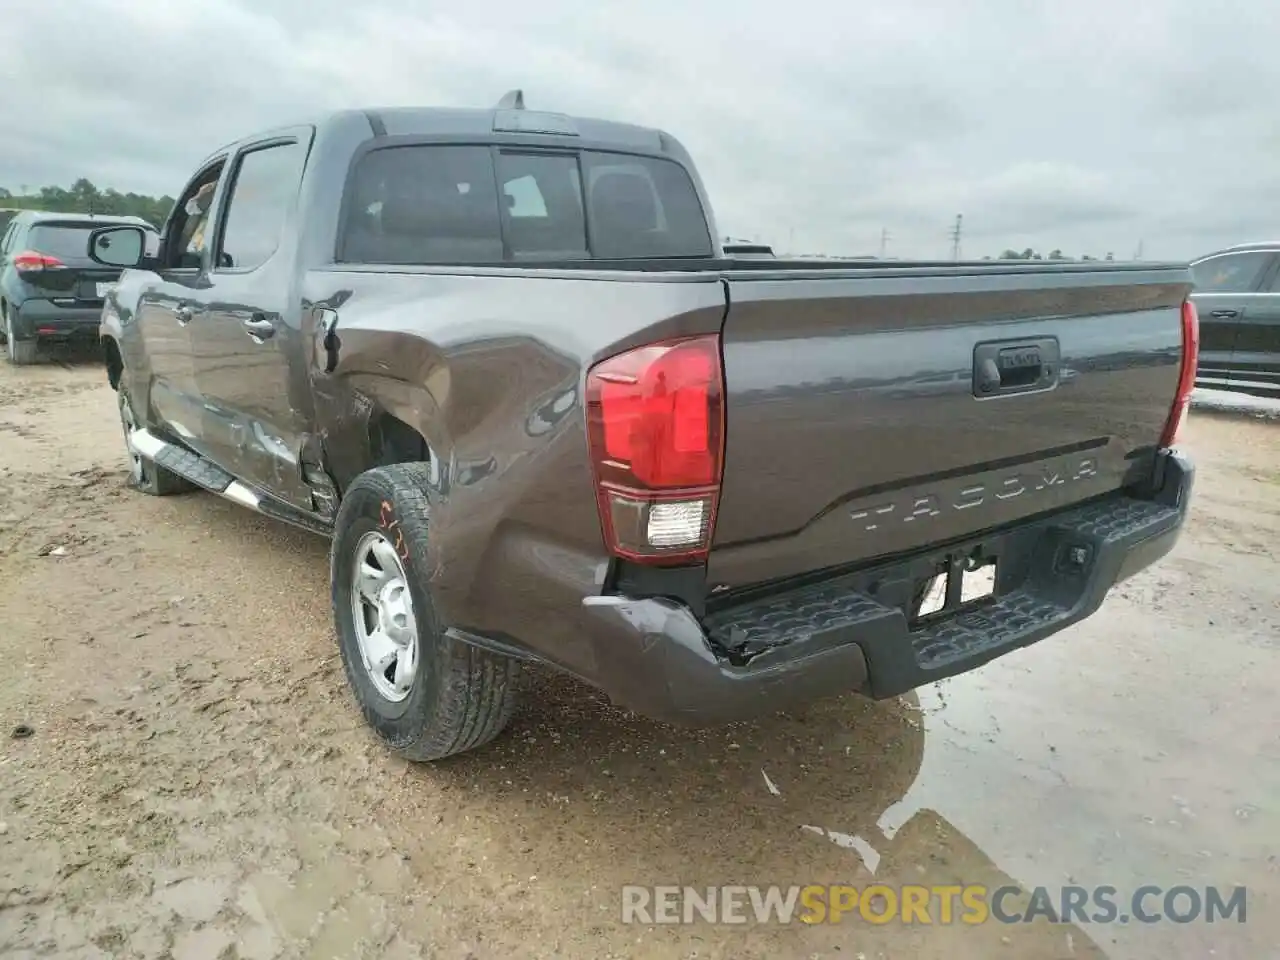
x=145 y=474
x=426 y=695
x=20 y=352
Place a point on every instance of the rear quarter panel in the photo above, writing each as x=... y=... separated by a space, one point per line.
x=489 y=368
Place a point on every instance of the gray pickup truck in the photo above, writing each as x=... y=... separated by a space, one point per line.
x=499 y=358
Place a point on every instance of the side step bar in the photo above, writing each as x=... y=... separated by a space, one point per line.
x=209 y=476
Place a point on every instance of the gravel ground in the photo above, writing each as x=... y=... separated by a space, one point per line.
x=197 y=783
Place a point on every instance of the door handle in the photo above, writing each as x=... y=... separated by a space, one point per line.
x=183 y=315
x=259 y=327
x=1224 y=314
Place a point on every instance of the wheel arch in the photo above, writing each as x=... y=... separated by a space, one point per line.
x=393 y=440
x=370 y=421
x=114 y=361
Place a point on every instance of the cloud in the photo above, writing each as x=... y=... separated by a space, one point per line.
x=1088 y=126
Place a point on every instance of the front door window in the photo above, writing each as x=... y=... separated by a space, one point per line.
x=189 y=226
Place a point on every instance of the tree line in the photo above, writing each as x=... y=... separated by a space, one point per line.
x=84 y=197
x=1029 y=254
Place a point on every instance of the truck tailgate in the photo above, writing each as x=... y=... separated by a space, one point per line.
x=871 y=415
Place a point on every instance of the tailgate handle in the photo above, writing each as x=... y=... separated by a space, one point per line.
x=1002 y=367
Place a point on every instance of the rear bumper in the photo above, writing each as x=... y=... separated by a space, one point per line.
x=851 y=634
x=45 y=319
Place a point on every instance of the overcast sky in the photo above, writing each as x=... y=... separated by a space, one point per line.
x=1082 y=124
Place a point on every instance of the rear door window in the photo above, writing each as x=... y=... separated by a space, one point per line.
x=1274 y=286
x=1230 y=273
x=266 y=183
x=433 y=204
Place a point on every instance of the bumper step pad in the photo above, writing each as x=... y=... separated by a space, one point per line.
x=1100 y=539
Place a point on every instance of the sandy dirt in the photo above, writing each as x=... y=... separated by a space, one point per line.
x=197 y=782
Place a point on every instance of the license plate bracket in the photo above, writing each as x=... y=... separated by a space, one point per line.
x=960 y=581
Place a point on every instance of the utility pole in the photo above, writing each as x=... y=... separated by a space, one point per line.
x=884 y=241
x=955 y=236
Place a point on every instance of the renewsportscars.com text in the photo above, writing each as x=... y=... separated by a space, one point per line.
x=929 y=905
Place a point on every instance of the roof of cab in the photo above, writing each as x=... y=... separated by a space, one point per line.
x=508 y=118
x=462 y=121
x=1257 y=246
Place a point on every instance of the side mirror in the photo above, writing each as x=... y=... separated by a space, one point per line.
x=123 y=246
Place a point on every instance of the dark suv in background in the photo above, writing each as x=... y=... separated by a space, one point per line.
x=1237 y=294
x=49 y=288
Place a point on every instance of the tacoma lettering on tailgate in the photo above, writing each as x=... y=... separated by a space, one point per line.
x=968 y=494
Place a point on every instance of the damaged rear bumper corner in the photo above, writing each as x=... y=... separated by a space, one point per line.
x=654 y=656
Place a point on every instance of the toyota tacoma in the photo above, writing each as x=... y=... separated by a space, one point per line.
x=499 y=357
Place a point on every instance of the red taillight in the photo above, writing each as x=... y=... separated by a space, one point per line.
x=1187 y=375
x=655 y=424
x=29 y=260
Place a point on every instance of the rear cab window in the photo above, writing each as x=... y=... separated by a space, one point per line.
x=643 y=207
x=542 y=205
x=446 y=204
